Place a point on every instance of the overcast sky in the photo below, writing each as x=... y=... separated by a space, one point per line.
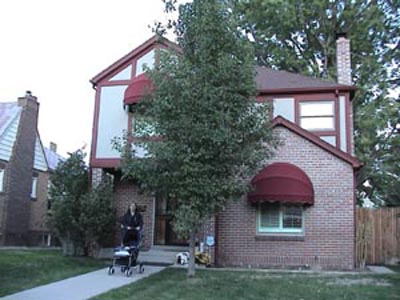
x=54 y=47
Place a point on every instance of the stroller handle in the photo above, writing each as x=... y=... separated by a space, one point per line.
x=126 y=227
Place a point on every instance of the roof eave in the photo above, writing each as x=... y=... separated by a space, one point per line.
x=339 y=88
x=281 y=121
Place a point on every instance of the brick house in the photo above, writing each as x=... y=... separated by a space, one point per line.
x=301 y=211
x=24 y=175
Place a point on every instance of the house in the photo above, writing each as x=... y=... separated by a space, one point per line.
x=301 y=211
x=24 y=175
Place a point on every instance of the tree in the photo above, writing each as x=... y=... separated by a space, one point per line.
x=98 y=216
x=79 y=216
x=211 y=135
x=299 y=36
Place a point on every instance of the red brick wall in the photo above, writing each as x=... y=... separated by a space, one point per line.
x=328 y=240
x=127 y=192
x=38 y=216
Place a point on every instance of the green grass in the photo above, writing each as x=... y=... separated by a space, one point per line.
x=231 y=285
x=24 y=269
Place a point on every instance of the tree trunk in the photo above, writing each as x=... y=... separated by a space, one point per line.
x=192 y=265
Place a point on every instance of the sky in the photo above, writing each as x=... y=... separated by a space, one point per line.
x=54 y=47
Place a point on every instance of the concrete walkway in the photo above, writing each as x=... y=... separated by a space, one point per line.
x=83 y=286
x=380 y=270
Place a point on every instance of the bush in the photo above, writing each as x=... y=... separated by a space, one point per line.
x=82 y=218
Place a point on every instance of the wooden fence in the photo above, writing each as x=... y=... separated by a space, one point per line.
x=378 y=234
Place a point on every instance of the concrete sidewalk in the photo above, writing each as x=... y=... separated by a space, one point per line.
x=83 y=286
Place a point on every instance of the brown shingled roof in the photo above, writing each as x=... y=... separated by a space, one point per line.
x=269 y=81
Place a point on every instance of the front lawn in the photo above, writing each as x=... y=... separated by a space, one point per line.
x=24 y=269
x=230 y=285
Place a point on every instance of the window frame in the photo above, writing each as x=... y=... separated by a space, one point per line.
x=280 y=229
x=318 y=129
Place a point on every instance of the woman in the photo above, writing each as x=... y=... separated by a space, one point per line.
x=132 y=223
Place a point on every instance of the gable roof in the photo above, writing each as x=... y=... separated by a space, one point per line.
x=273 y=81
x=10 y=113
x=280 y=121
x=119 y=63
x=53 y=158
x=268 y=81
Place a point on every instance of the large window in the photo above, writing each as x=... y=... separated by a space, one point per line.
x=280 y=218
x=317 y=115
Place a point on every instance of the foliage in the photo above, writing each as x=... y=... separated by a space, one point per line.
x=68 y=183
x=97 y=217
x=299 y=36
x=79 y=216
x=25 y=269
x=211 y=136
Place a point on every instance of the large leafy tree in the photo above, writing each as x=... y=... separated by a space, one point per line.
x=299 y=36
x=212 y=136
x=82 y=218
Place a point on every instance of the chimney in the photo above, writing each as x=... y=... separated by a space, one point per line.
x=29 y=99
x=343 y=59
x=53 y=147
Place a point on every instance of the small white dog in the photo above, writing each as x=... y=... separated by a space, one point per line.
x=182 y=258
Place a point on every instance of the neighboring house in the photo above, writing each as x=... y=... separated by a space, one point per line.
x=301 y=211
x=24 y=175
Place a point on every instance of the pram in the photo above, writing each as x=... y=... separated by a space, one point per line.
x=126 y=256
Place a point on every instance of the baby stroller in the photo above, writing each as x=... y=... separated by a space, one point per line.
x=126 y=256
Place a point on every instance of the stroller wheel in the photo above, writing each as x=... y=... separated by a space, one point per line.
x=141 y=268
x=122 y=269
x=128 y=272
x=111 y=270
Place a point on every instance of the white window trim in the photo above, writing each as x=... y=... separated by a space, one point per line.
x=280 y=229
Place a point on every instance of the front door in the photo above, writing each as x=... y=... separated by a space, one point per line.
x=164 y=233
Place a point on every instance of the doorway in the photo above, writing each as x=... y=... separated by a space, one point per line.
x=164 y=233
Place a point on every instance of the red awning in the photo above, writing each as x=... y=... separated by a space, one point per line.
x=282 y=182
x=140 y=86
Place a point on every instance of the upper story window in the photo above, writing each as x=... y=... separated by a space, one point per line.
x=317 y=115
x=125 y=74
x=280 y=218
x=146 y=60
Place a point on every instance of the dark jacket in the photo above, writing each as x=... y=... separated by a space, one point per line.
x=133 y=221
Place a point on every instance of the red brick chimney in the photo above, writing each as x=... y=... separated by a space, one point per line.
x=19 y=172
x=343 y=59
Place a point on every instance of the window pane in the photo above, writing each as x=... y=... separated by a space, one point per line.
x=292 y=217
x=310 y=109
x=330 y=139
x=125 y=74
x=314 y=123
x=146 y=60
x=269 y=215
x=34 y=187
